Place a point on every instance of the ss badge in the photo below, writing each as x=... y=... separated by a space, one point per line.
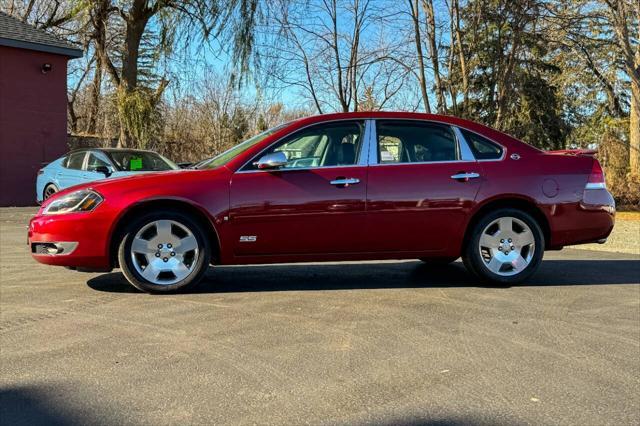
x=248 y=238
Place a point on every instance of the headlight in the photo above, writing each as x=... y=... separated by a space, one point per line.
x=83 y=200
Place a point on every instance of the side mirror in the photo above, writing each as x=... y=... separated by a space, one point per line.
x=271 y=161
x=104 y=170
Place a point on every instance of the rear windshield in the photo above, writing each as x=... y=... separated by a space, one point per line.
x=141 y=161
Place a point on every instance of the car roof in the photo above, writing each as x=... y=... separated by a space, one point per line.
x=484 y=130
x=110 y=150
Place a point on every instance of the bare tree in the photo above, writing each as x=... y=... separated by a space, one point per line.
x=417 y=38
x=625 y=20
x=434 y=52
x=331 y=52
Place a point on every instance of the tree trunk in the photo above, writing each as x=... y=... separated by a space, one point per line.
x=433 y=52
x=94 y=108
x=136 y=23
x=333 y=12
x=415 y=13
x=73 y=118
x=461 y=57
x=620 y=13
x=634 y=116
x=634 y=131
x=99 y=17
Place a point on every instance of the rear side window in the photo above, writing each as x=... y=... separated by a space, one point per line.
x=75 y=160
x=482 y=148
x=415 y=142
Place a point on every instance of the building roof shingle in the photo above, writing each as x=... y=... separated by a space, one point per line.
x=15 y=33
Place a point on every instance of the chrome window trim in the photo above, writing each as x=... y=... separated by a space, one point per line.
x=365 y=149
x=464 y=158
x=358 y=163
x=297 y=169
x=423 y=162
x=372 y=157
x=465 y=151
x=504 y=148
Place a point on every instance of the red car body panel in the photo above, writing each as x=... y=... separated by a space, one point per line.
x=403 y=210
x=429 y=203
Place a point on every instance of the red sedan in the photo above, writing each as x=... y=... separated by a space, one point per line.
x=355 y=186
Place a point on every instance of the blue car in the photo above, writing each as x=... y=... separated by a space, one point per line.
x=86 y=165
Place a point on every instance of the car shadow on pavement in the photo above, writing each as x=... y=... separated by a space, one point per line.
x=30 y=405
x=348 y=276
x=34 y=405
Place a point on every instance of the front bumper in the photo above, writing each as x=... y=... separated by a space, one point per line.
x=78 y=240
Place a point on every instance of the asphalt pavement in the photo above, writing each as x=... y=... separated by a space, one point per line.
x=383 y=343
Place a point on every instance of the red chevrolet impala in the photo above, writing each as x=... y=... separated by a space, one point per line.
x=355 y=186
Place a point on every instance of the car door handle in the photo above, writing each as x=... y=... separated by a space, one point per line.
x=465 y=176
x=345 y=181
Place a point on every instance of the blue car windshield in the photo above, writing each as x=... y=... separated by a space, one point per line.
x=141 y=161
x=232 y=153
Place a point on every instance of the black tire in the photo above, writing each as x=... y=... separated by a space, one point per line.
x=49 y=190
x=137 y=280
x=438 y=261
x=475 y=263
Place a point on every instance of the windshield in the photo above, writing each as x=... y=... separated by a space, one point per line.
x=141 y=161
x=232 y=153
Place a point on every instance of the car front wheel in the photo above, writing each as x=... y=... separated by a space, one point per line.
x=505 y=247
x=164 y=252
x=49 y=190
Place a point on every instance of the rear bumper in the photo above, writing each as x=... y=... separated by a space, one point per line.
x=589 y=221
x=86 y=233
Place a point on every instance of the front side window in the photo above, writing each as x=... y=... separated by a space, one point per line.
x=415 y=142
x=94 y=162
x=75 y=160
x=324 y=145
x=482 y=148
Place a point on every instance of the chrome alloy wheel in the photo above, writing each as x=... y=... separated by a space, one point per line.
x=49 y=191
x=164 y=252
x=507 y=246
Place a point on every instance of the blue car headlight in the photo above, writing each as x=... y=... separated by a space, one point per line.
x=84 y=200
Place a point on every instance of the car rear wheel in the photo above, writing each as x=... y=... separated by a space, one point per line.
x=164 y=252
x=505 y=247
x=49 y=190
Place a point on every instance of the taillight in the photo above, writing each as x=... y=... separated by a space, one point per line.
x=596 y=178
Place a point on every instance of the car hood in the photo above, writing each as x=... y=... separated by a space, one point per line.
x=170 y=184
